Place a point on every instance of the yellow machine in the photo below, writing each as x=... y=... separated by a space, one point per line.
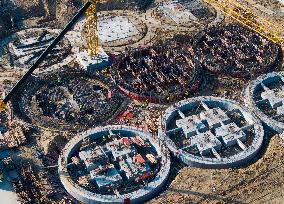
x=91 y=28
x=3 y=106
x=246 y=17
x=92 y=38
x=229 y=7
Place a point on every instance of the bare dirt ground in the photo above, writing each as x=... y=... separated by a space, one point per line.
x=261 y=182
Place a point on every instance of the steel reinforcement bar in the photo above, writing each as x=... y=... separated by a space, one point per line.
x=246 y=17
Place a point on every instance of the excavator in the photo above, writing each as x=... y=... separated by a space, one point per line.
x=229 y=7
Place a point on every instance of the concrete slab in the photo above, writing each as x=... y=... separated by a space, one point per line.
x=176 y=12
x=116 y=28
x=271 y=115
x=215 y=147
x=230 y=133
x=7 y=194
x=132 y=168
x=190 y=125
x=27 y=47
x=275 y=97
x=205 y=142
x=94 y=63
x=214 y=117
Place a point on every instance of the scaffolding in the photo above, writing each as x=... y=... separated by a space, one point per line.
x=91 y=28
x=246 y=17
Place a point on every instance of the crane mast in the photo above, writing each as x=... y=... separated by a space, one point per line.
x=88 y=7
x=91 y=28
x=230 y=7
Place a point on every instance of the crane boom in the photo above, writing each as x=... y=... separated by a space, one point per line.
x=246 y=17
x=41 y=58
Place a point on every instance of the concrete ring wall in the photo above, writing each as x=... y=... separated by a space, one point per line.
x=249 y=101
x=78 y=31
x=32 y=112
x=139 y=196
x=203 y=162
x=128 y=89
x=251 y=68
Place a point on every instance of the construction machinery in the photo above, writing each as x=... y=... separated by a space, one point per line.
x=92 y=37
x=230 y=7
x=91 y=28
x=246 y=17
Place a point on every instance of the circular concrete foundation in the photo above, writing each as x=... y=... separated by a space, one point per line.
x=113 y=164
x=211 y=132
x=117 y=28
x=264 y=96
x=69 y=100
x=163 y=72
x=234 y=50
